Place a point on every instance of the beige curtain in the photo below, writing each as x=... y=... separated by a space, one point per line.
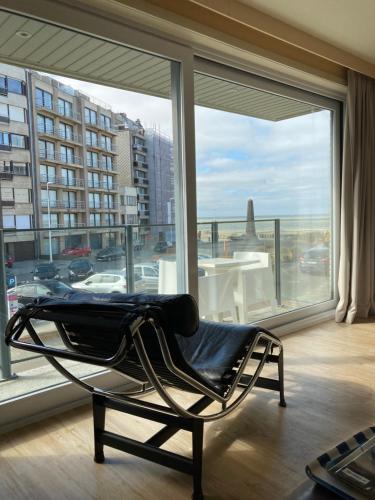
x=356 y=283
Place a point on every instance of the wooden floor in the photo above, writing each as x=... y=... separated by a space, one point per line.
x=257 y=452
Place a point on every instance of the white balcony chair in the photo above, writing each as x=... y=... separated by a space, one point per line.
x=216 y=296
x=255 y=289
x=167 y=277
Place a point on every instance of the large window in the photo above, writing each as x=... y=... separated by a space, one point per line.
x=43 y=98
x=268 y=158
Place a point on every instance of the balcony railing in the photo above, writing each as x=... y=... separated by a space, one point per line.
x=110 y=148
x=140 y=164
x=277 y=255
x=141 y=181
x=102 y=185
x=73 y=205
x=139 y=147
x=63 y=181
x=56 y=132
x=60 y=158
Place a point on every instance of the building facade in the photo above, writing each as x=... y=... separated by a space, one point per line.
x=15 y=163
x=74 y=147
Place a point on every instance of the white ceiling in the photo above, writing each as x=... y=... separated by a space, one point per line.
x=346 y=24
x=58 y=50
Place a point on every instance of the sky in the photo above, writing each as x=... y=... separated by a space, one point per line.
x=284 y=166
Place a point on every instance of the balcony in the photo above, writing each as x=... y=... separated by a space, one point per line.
x=61 y=158
x=103 y=206
x=140 y=181
x=56 y=109
x=103 y=166
x=143 y=197
x=7 y=203
x=140 y=164
x=56 y=132
x=139 y=147
x=144 y=214
x=74 y=182
x=65 y=205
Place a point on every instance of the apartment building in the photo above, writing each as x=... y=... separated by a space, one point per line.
x=161 y=177
x=15 y=162
x=75 y=165
x=133 y=174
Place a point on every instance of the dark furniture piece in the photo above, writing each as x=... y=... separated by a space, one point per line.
x=159 y=342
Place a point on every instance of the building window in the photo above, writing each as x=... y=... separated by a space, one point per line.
x=92 y=159
x=106 y=143
x=131 y=200
x=45 y=124
x=16 y=86
x=107 y=162
x=50 y=217
x=131 y=219
x=105 y=122
x=46 y=150
x=93 y=180
x=91 y=138
x=17 y=141
x=47 y=173
x=66 y=131
x=108 y=181
x=70 y=220
x=16 y=221
x=66 y=154
x=140 y=174
x=12 y=113
x=68 y=177
x=65 y=107
x=90 y=116
x=109 y=219
x=140 y=158
x=69 y=199
x=15 y=168
x=94 y=219
x=43 y=99
x=94 y=200
x=108 y=201
x=52 y=198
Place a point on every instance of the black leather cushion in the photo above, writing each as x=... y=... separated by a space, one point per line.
x=215 y=349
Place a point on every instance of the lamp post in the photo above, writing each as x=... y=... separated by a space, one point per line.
x=49 y=224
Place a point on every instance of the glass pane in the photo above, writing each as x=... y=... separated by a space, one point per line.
x=80 y=231
x=264 y=194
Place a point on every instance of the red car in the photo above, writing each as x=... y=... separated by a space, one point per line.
x=77 y=252
x=9 y=260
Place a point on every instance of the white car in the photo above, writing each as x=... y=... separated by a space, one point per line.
x=108 y=283
x=149 y=274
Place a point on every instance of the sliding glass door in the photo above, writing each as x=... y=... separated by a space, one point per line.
x=265 y=196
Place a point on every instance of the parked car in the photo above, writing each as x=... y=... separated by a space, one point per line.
x=110 y=253
x=315 y=260
x=10 y=279
x=46 y=271
x=9 y=261
x=149 y=274
x=27 y=292
x=108 y=282
x=77 y=252
x=80 y=269
x=162 y=246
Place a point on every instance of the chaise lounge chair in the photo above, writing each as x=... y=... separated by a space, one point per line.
x=159 y=342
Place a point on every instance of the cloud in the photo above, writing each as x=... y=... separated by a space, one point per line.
x=284 y=166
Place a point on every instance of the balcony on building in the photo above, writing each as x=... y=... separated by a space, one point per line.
x=140 y=164
x=64 y=205
x=59 y=134
x=140 y=181
x=74 y=182
x=140 y=148
x=61 y=158
x=56 y=109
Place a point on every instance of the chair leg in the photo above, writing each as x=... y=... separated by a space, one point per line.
x=281 y=377
x=197 y=435
x=99 y=423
